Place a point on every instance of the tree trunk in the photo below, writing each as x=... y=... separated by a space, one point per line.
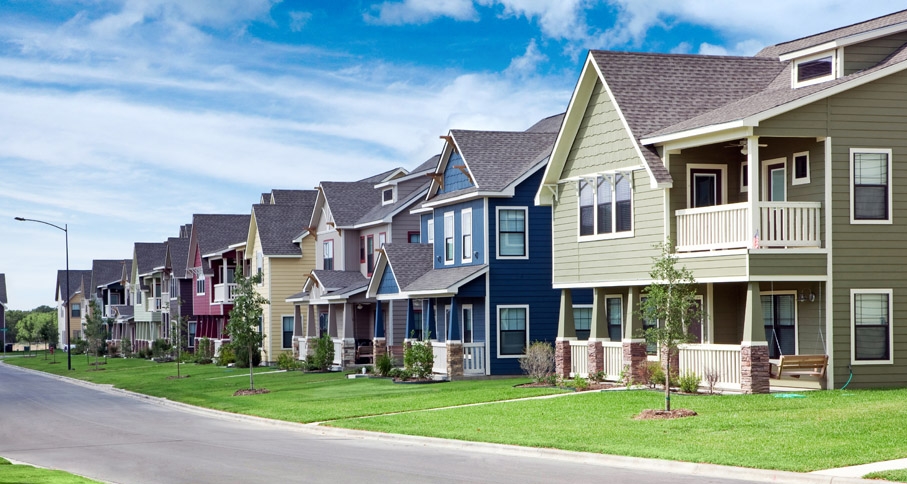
x=251 y=378
x=668 y=382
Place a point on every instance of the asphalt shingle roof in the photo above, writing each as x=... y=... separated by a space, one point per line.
x=341 y=281
x=106 y=271
x=149 y=255
x=830 y=35
x=293 y=197
x=77 y=277
x=178 y=250
x=350 y=201
x=217 y=232
x=551 y=124
x=497 y=158
x=444 y=279
x=279 y=224
x=409 y=261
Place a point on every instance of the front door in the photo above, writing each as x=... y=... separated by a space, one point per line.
x=776 y=188
x=705 y=186
x=779 y=312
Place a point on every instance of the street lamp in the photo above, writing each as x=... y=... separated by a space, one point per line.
x=65 y=229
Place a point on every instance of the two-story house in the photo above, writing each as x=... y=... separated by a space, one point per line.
x=178 y=282
x=283 y=265
x=478 y=286
x=108 y=289
x=215 y=243
x=75 y=301
x=351 y=222
x=774 y=179
x=149 y=300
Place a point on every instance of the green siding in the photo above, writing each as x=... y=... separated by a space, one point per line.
x=867 y=54
x=800 y=264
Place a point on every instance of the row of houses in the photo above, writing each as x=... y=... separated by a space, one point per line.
x=773 y=176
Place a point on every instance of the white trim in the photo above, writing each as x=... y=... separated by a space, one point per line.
x=472 y=321
x=793 y=172
x=890 y=218
x=497 y=226
x=430 y=230
x=609 y=176
x=292 y=330
x=845 y=41
x=829 y=268
x=449 y=233
x=200 y=278
x=393 y=192
x=487 y=307
x=834 y=74
x=853 y=354
x=765 y=177
x=744 y=180
x=498 y=309
x=796 y=315
x=706 y=166
x=466 y=256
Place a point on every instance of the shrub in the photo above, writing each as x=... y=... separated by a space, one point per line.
x=419 y=359
x=323 y=356
x=689 y=382
x=225 y=355
x=383 y=364
x=81 y=346
x=159 y=348
x=538 y=363
x=242 y=357
x=580 y=383
x=599 y=376
x=655 y=374
x=285 y=361
x=626 y=376
x=204 y=353
x=711 y=378
x=126 y=347
x=113 y=349
x=400 y=373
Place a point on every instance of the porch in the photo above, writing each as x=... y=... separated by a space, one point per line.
x=473 y=358
x=777 y=225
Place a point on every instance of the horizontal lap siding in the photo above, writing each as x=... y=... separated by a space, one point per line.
x=774 y=264
x=867 y=54
x=715 y=266
x=286 y=277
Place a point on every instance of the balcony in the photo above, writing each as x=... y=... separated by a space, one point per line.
x=721 y=227
x=223 y=293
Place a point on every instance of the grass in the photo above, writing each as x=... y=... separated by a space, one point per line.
x=822 y=430
x=15 y=474
x=899 y=475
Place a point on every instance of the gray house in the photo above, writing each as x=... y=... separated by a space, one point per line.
x=775 y=178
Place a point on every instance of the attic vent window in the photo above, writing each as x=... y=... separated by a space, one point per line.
x=387 y=196
x=814 y=69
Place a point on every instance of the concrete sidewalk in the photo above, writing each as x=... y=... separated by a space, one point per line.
x=862 y=470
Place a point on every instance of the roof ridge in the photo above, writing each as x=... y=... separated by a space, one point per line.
x=843 y=27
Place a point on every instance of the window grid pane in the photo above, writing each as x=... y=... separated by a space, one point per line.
x=512 y=238
x=870 y=191
x=871 y=331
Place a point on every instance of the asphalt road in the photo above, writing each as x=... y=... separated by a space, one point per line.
x=113 y=437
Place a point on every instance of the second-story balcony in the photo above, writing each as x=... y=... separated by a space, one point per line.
x=777 y=225
x=223 y=293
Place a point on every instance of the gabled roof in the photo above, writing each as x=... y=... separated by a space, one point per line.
x=408 y=262
x=77 y=278
x=338 y=283
x=177 y=255
x=149 y=255
x=497 y=158
x=412 y=268
x=350 y=201
x=3 y=299
x=551 y=124
x=107 y=271
x=293 y=197
x=278 y=225
x=215 y=233
x=384 y=176
x=802 y=43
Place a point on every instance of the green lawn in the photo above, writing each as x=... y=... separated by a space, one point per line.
x=822 y=430
x=897 y=476
x=16 y=474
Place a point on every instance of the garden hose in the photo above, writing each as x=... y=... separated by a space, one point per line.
x=849 y=367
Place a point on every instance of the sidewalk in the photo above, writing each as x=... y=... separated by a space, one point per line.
x=862 y=470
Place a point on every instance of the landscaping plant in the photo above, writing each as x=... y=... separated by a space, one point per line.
x=538 y=363
x=323 y=356
x=383 y=364
x=285 y=361
x=419 y=359
x=245 y=318
x=689 y=382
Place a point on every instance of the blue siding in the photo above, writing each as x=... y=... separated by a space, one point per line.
x=454 y=179
x=524 y=281
x=388 y=284
x=478 y=234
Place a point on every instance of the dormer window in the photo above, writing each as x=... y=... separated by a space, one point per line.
x=815 y=69
x=387 y=196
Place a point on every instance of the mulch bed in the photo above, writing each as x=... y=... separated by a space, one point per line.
x=257 y=391
x=664 y=414
x=174 y=377
x=592 y=386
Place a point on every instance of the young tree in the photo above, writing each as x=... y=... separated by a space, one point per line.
x=47 y=332
x=27 y=328
x=245 y=317
x=670 y=300
x=178 y=327
x=95 y=332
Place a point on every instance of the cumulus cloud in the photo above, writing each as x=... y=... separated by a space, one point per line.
x=528 y=63
x=298 y=20
x=420 y=11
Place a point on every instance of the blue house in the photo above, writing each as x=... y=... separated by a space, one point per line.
x=478 y=285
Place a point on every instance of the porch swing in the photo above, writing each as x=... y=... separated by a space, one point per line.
x=796 y=366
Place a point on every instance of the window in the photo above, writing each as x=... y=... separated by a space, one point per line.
x=382 y=239
x=115 y=298
x=387 y=196
x=200 y=285
x=448 y=238
x=512 y=233
x=582 y=321
x=259 y=263
x=413 y=237
x=370 y=253
x=328 y=255
x=138 y=295
x=870 y=173
x=651 y=348
x=362 y=249
x=779 y=312
x=288 y=332
x=605 y=205
x=513 y=335
x=467 y=323
x=744 y=177
x=76 y=310
x=814 y=69
x=871 y=317
x=430 y=231
x=466 y=234
x=192 y=326
x=615 y=317
x=801 y=168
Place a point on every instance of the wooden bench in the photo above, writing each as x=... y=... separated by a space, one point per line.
x=365 y=352
x=800 y=365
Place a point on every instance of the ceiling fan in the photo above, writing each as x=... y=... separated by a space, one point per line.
x=742 y=145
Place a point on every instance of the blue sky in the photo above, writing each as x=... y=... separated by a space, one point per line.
x=123 y=118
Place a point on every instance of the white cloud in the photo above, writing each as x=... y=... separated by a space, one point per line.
x=298 y=20
x=563 y=19
x=420 y=11
x=527 y=63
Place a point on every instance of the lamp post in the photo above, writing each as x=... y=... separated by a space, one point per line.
x=65 y=229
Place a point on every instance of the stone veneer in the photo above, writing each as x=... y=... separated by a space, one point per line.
x=562 y=358
x=379 y=348
x=754 y=369
x=636 y=360
x=454 y=360
x=596 y=357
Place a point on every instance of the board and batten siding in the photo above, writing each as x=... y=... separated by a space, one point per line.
x=602 y=144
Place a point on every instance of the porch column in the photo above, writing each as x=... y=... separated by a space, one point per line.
x=349 y=341
x=379 y=343
x=634 y=346
x=454 y=343
x=752 y=159
x=598 y=331
x=432 y=332
x=754 y=365
x=566 y=332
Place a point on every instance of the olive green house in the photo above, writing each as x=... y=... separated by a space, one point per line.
x=776 y=179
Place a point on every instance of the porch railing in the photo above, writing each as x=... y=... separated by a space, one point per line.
x=723 y=360
x=473 y=358
x=613 y=353
x=303 y=347
x=223 y=293
x=338 y=352
x=439 y=350
x=579 y=358
x=780 y=224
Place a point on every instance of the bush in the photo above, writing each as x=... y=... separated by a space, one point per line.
x=159 y=348
x=689 y=382
x=323 y=356
x=126 y=347
x=419 y=359
x=242 y=357
x=225 y=355
x=285 y=361
x=538 y=363
x=658 y=374
x=113 y=349
x=204 y=352
x=383 y=364
x=81 y=346
x=400 y=374
x=580 y=383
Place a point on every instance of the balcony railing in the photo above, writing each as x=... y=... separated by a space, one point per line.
x=720 y=361
x=223 y=293
x=780 y=225
x=473 y=358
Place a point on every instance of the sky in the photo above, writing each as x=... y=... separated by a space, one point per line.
x=119 y=119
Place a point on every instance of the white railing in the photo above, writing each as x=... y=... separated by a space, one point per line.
x=704 y=359
x=781 y=224
x=223 y=293
x=439 y=350
x=154 y=303
x=613 y=354
x=473 y=358
x=579 y=358
x=338 y=352
x=303 y=347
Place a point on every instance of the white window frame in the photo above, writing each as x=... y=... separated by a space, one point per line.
x=292 y=330
x=835 y=68
x=430 y=229
x=591 y=317
x=259 y=266
x=324 y=245
x=704 y=166
x=498 y=326
x=393 y=197
x=497 y=225
x=744 y=180
x=466 y=245
x=793 y=172
x=766 y=174
x=796 y=315
x=853 y=340
x=200 y=279
x=450 y=253
x=472 y=319
x=592 y=180
x=890 y=218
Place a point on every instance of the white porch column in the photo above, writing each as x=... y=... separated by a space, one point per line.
x=752 y=158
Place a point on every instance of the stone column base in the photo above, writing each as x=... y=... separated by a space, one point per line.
x=562 y=361
x=349 y=354
x=635 y=360
x=454 y=360
x=379 y=347
x=596 y=357
x=754 y=369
